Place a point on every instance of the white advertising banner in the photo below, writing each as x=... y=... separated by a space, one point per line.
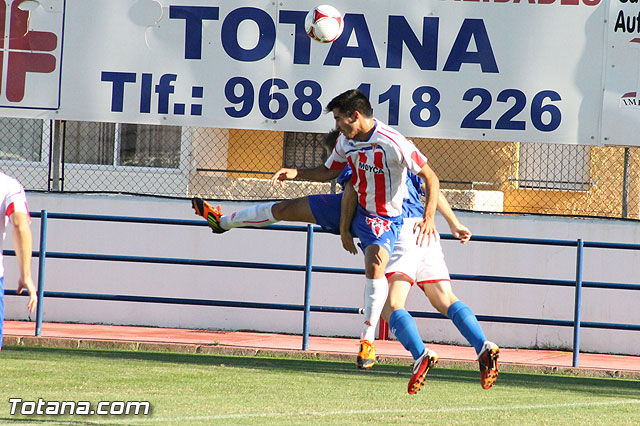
x=507 y=70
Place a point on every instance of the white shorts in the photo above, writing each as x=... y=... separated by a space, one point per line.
x=420 y=264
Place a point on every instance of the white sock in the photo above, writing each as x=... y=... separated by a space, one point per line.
x=375 y=295
x=258 y=215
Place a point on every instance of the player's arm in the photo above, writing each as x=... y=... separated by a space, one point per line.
x=320 y=173
x=23 y=243
x=426 y=228
x=347 y=211
x=458 y=230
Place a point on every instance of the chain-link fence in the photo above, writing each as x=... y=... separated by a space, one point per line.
x=230 y=164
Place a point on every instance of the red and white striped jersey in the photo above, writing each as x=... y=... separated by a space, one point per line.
x=379 y=168
x=12 y=199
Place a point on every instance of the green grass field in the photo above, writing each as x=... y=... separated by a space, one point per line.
x=196 y=389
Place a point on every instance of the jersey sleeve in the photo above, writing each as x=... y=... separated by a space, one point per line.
x=412 y=157
x=338 y=158
x=16 y=200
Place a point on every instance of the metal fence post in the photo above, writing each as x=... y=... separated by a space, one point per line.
x=625 y=182
x=578 y=303
x=307 y=288
x=56 y=163
x=41 y=258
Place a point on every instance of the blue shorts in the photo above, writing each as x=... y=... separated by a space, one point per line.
x=1 y=307
x=326 y=210
x=379 y=230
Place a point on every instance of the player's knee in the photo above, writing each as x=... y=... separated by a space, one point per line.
x=396 y=304
x=440 y=296
x=446 y=303
x=279 y=210
x=374 y=270
x=376 y=259
x=442 y=308
x=395 y=301
x=288 y=210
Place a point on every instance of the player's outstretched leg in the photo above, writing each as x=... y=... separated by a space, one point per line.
x=367 y=355
x=420 y=369
x=488 y=360
x=213 y=215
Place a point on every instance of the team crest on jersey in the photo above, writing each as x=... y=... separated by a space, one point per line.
x=378 y=226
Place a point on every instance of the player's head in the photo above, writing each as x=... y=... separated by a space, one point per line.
x=330 y=139
x=353 y=114
x=349 y=102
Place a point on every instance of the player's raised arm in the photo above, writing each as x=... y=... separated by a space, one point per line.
x=319 y=174
x=458 y=230
x=426 y=228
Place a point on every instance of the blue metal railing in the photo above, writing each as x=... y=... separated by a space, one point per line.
x=308 y=268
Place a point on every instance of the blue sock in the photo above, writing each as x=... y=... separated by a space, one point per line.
x=404 y=327
x=467 y=323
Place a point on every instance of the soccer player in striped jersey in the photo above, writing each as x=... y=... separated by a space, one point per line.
x=352 y=113
x=380 y=158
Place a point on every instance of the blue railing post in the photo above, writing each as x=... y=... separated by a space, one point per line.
x=41 y=258
x=307 y=288
x=578 y=304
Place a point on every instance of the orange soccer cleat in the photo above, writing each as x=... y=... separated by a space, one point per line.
x=212 y=215
x=420 y=369
x=366 y=356
x=488 y=360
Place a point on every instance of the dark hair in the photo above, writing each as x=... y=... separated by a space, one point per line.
x=350 y=101
x=331 y=138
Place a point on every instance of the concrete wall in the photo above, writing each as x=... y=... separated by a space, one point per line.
x=532 y=301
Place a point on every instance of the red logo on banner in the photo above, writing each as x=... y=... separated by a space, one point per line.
x=23 y=51
x=378 y=226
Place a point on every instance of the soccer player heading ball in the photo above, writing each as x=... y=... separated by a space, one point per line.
x=373 y=207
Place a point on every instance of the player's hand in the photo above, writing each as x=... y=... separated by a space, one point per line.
x=27 y=283
x=283 y=174
x=461 y=232
x=347 y=242
x=426 y=230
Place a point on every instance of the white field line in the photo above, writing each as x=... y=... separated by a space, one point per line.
x=389 y=411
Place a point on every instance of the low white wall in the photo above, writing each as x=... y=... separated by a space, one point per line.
x=328 y=289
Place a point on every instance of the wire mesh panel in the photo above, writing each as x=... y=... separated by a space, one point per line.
x=548 y=166
x=24 y=151
x=101 y=149
x=115 y=157
x=305 y=150
x=235 y=164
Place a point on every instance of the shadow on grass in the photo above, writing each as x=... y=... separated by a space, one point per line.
x=602 y=387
